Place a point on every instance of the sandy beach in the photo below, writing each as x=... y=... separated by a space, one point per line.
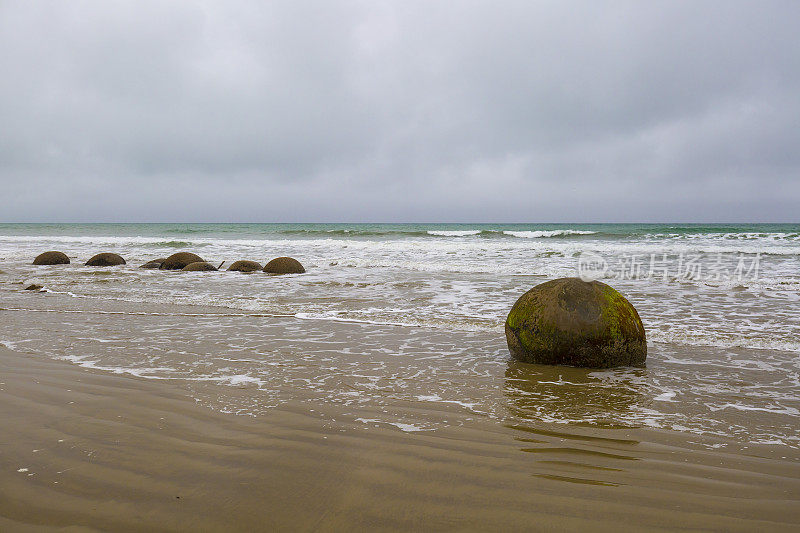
x=376 y=391
x=87 y=450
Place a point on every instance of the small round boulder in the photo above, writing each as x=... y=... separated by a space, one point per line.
x=180 y=260
x=155 y=263
x=572 y=322
x=199 y=266
x=284 y=265
x=105 y=260
x=51 y=258
x=245 y=266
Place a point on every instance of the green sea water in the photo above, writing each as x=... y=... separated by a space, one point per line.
x=249 y=231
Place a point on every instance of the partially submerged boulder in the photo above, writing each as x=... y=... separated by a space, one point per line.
x=199 y=266
x=155 y=263
x=284 y=265
x=105 y=259
x=571 y=322
x=245 y=266
x=179 y=260
x=51 y=258
x=34 y=287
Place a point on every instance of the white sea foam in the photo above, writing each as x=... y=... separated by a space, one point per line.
x=725 y=339
x=241 y=379
x=408 y=428
x=771 y=409
x=777 y=236
x=9 y=344
x=551 y=233
x=160 y=372
x=429 y=398
x=460 y=233
x=665 y=397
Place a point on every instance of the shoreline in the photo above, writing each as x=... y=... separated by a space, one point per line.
x=108 y=451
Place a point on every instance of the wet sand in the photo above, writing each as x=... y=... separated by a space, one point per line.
x=88 y=450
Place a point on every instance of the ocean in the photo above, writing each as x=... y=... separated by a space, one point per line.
x=419 y=312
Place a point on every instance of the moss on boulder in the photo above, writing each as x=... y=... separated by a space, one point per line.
x=155 y=263
x=180 y=260
x=51 y=258
x=199 y=266
x=105 y=259
x=245 y=266
x=284 y=265
x=571 y=322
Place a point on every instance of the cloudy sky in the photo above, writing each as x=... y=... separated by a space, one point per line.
x=400 y=111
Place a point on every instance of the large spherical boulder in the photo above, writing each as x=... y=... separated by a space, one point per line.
x=245 y=266
x=180 y=260
x=199 y=266
x=284 y=265
x=105 y=259
x=51 y=258
x=155 y=263
x=571 y=322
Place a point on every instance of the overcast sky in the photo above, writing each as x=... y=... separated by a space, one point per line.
x=400 y=111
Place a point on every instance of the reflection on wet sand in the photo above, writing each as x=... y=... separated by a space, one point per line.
x=597 y=398
x=538 y=394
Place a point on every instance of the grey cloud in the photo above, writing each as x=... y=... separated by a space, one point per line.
x=396 y=111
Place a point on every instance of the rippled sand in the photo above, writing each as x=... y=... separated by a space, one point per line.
x=99 y=451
